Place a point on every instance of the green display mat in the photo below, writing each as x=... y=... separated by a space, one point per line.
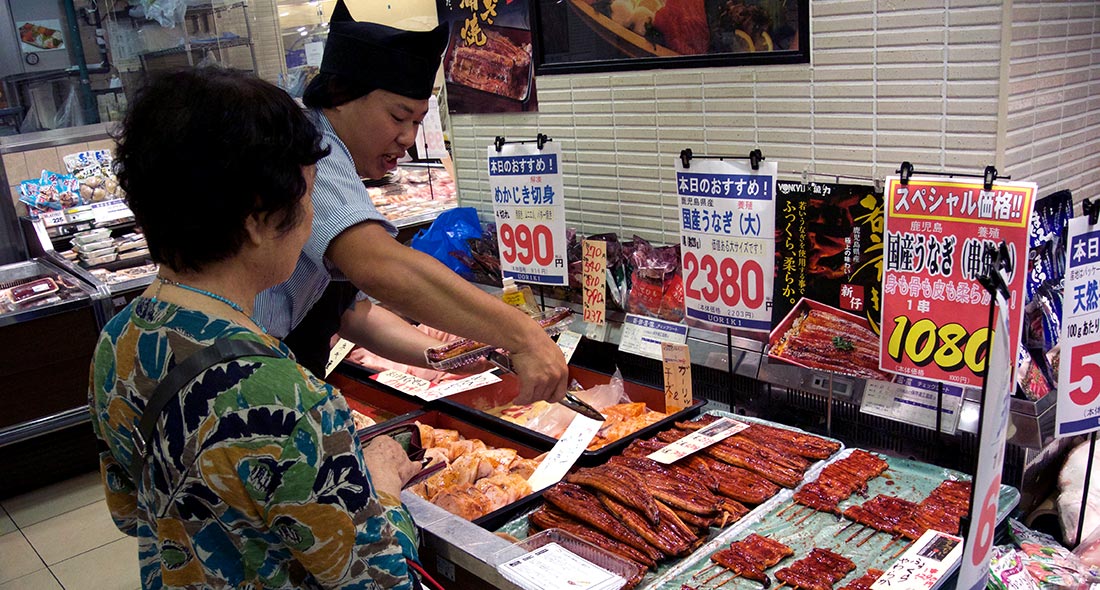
x=911 y=480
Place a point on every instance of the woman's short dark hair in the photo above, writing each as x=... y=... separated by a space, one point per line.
x=326 y=91
x=201 y=150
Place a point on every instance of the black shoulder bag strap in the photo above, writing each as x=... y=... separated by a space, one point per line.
x=221 y=351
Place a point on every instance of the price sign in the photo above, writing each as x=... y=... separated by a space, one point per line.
x=992 y=431
x=567 y=342
x=1078 y=409
x=529 y=208
x=727 y=240
x=448 y=388
x=403 y=382
x=337 y=354
x=552 y=567
x=677 y=368
x=913 y=401
x=933 y=556
x=560 y=459
x=717 y=431
x=595 y=282
x=314 y=51
x=933 y=307
x=643 y=336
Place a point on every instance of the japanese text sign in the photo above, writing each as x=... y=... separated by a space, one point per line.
x=913 y=401
x=595 y=281
x=560 y=459
x=714 y=432
x=992 y=432
x=677 y=368
x=403 y=382
x=529 y=208
x=934 y=309
x=1078 y=409
x=727 y=242
x=932 y=557
x=643 y=336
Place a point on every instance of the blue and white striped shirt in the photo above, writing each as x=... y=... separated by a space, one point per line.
x=339 y=201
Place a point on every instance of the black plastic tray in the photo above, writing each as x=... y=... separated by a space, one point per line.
x=470 y=404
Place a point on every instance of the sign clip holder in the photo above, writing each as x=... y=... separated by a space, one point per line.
x=988 y=176
x=755 y=157
x=540 y=140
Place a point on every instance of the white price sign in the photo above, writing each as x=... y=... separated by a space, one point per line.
x=913 y=401
x=992 y=431
x=1078 y=409
x=403 y=382
x=529 y=208
x=448 y=388
x=567 y=342
x=560 y=459
x=643 y=336
x=929 y=559
x=552 y=567
x=720 y=430
x=727 y=242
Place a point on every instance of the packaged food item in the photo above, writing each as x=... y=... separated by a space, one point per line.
x=519 y=297
x=656 y=286
x=462 y=352
x=36 y=289
x=1051 y=566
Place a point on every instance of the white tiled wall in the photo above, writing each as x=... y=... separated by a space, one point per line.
x=921 y=80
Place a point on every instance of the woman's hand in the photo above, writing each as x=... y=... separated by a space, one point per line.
x=388 y=465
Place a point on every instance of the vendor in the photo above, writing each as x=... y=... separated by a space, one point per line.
x=253 y=475
x=368 y=100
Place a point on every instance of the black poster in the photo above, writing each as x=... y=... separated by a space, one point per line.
x=828 y=277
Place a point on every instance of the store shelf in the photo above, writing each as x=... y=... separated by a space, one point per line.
x=198 y=46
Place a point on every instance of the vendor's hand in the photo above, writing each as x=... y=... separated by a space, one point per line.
x=543 y=374
x=388 y=465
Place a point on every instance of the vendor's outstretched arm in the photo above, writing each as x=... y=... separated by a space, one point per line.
x=418 y=286
x=384 y=333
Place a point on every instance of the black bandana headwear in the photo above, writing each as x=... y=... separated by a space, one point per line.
x=378 y=56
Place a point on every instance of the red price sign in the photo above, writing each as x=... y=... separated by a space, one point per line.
x=1084 y=373
x=595 y=281
x=727 y=281
x=987 y=524
x=526 y=244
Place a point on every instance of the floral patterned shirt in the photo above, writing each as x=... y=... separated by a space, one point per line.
x=255 y=477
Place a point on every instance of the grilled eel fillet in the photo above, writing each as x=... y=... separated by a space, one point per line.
x=664 y=486
x=728 y=453
x=548 y=517
x=715 y=475
x=665 y=537
x=792 y=442
x=620 y=483
x=583 y=506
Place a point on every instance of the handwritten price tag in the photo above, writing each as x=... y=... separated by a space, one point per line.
x=448 y=388
x=677 y=367
x=403 y=382
x=698 y=440
x=572 y=443
x=337 y=354
x=595 y=281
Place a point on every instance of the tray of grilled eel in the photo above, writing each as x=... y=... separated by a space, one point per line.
x=839 y=530
x=660 y=515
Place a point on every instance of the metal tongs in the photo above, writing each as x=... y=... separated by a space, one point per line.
x=502 y=362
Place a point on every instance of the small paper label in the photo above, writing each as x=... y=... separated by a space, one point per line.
x=458 y=386
x=677 y=367
x=720 y=430
x=913 y=402
x=514 y=298
x=552 y=567
x=643 y=336
x=337 y=354
x=403 y=382
x=930 y=558
x=560 y=459
x=567 y=342
x=314 y=51
x=595 y=281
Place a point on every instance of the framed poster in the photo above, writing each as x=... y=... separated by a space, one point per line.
x=614 y=35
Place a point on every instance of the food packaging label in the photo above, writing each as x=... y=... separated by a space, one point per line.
x=569 y=447
x=930 y=558
x=677 y=372
x=403 y=382
x=552 y=567
x=720 y=430
x=643 y=336
x=913 y=401
x=1078 y=407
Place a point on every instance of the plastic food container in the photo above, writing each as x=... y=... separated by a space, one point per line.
x=110 y=256
x=630 y=572
x=96 y=248
x=463 y=352
x=88 y=237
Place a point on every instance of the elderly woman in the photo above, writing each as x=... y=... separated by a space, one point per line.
x=250 y=475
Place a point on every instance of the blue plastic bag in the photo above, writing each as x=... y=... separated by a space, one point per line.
x=447 y=234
